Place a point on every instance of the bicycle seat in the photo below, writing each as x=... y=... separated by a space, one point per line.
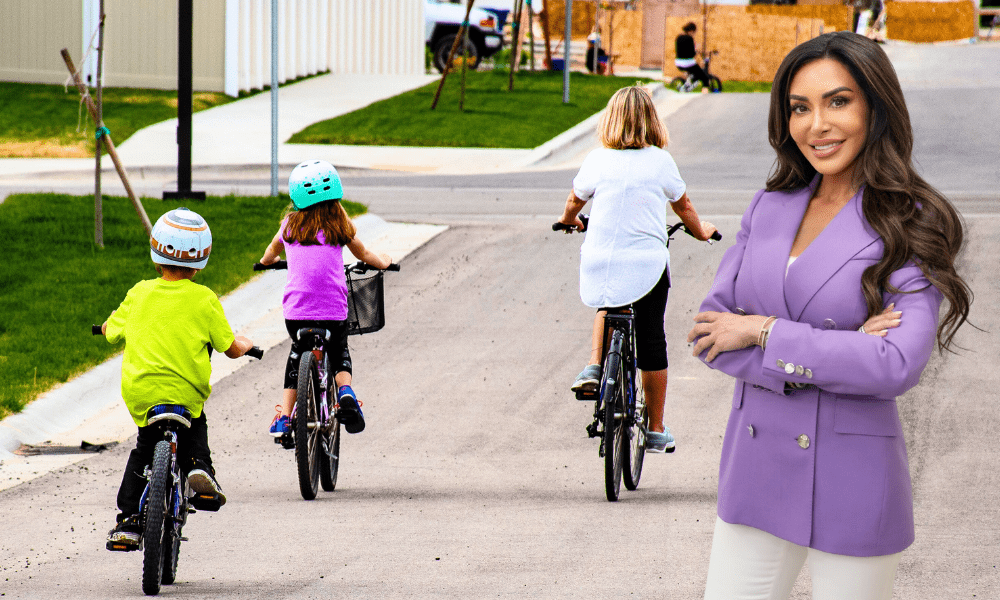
x=169 y=412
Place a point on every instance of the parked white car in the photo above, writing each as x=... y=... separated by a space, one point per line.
x=442 y=19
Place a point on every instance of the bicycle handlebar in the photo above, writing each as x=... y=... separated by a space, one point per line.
x=359 y=267
x=559 y=226
x=673 y=229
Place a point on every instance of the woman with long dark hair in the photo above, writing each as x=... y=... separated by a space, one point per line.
x=846 y=234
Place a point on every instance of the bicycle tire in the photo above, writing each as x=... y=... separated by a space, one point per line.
x=714 y=84
x=307 y=444
x=677 y=84
x=171 y=550
x=156 y=516
x=329 y=461
x=614 y=406
x=636 y=439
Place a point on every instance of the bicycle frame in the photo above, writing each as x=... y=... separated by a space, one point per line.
x=625 y=349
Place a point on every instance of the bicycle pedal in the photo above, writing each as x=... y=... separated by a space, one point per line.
x=206 y=502
x=120 y=547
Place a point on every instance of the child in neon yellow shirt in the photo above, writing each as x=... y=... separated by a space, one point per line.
x=169 y=324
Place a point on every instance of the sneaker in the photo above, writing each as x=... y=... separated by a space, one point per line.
x=126 y=535
x=659 y=442
x=280 y=425
x=349 y=410
x=588 y=380
x=204 y=484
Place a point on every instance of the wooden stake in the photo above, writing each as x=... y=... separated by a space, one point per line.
x=108 y=144
x=98 y=202
x=515 y=41
x=544 y=16
x=531 y=33
x=451 y=54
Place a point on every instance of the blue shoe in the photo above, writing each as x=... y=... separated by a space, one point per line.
x=659 y=442
x=280 y=426
x=588 y=380
x=349 y=410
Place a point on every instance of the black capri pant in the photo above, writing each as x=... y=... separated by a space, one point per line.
x=648 y=311
x=335 y=349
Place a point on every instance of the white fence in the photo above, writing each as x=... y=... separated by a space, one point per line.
x=342 y=36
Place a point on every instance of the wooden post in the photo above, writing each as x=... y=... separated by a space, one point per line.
x=544 y=16
x=98 y=203
x=465 y=68
x=515 y=42
x=108 y=144
x=531 y=33
x=451 y=54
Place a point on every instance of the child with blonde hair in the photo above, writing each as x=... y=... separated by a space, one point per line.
x=624 y=259
x=313 y=234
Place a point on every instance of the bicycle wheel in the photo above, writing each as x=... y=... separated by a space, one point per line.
x=636 y=445
x=714 y=83
x=329 y=458
x=614 y=409
x=172 y=536
x=307 y=430
x=156 y=515
x=171 y=549
x=677 y=84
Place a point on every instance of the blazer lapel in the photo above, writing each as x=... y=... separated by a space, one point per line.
x=776 y=226
x=842 y=239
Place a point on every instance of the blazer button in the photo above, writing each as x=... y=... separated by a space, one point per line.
x=829 y=324
x=800 y=370
x=809 y=374
x=750 y=427
x=780 y=363
x=789 y=368
x=741 y=311
x=803 y=441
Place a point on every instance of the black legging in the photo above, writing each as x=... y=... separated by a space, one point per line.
x=698 y=73
x=650 y=340
x=336 y=349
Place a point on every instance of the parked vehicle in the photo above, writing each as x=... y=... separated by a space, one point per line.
x=442 y=20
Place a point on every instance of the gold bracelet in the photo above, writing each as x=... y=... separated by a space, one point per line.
x=765 y=331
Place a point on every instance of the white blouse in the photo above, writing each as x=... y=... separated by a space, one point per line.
x=624 y=252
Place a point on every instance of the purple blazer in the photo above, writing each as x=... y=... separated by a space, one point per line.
x=825 y=466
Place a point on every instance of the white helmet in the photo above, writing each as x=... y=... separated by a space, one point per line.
x=181 y=238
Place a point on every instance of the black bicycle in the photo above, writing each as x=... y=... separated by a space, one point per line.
x=620 y=418
x=315 y=423
x=690 y=84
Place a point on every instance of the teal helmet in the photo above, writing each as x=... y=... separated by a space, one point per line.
x=312 y=182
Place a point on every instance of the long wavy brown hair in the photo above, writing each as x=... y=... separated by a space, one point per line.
x=916 y=222
x=304 y=225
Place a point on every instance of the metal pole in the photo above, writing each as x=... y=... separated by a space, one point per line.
x=274 y=98
x=98 y=199
x=185 y=96
x=567 y=36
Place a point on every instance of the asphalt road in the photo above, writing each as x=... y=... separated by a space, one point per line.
x=475 y=477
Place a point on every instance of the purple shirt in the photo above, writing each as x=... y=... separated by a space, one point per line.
x=316 y=287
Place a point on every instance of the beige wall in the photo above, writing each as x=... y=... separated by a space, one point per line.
x=232 y=40
x=32 y=32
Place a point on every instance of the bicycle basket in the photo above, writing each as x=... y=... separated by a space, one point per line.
x=365 y=303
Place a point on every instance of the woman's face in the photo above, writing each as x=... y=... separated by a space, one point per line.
x=829 y=116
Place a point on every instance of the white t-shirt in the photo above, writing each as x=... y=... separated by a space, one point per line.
x=625 y=249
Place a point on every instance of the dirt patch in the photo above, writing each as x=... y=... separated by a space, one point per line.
x=50 y=148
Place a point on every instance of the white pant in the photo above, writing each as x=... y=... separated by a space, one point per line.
x=750 y=564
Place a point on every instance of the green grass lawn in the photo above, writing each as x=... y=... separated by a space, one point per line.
x=56 y=283
x=41 y=120
x=746 y=87
x=493 y=118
